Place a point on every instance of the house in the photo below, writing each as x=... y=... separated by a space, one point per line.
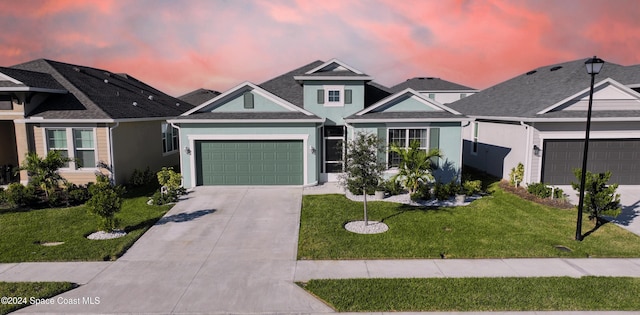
x=539 y=119
x=439 y=90
x=90 y=115
x=290 y=130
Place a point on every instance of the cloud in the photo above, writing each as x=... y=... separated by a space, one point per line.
x=178 y=46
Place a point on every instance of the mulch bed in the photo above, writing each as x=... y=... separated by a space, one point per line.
x=522 y=193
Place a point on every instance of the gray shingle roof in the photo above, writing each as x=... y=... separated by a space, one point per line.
x=199 y=96
x=100 y=94
x=30 y=79
x=286 y=87
x=429 y=84
x=531 y=92
x=248 y=116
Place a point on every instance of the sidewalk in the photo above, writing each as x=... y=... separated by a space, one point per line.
x=458 y=268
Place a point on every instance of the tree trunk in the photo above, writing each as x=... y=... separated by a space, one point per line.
x=366 y=219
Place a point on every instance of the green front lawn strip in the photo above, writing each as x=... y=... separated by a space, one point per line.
x=23 y=232
x=478 y=294
x=22 y=293
x=500 y=225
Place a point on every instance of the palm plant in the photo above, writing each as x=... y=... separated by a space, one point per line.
x=43 y=172
x=415 y=165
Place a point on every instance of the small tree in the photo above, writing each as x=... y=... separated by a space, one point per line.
x=599 y=198
x=171 y=189
x=517 y=175
x=43 y=173
x=415 y=165
x=105 y=201
x=362 y=168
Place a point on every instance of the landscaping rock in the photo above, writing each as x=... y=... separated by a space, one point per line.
x=374 y=227
x=102 y=235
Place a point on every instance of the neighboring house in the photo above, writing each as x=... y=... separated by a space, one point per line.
x=439 y=90
x=199 y=96
x=290 y=130
x=90 y=115
x=539 y=119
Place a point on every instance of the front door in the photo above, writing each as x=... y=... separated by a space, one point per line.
x=333 y=152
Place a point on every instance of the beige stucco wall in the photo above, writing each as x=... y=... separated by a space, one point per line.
x=138 y=145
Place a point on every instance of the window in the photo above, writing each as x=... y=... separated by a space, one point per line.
x=403 y=137
x=474 y=147
x=78 y=144
x=169 y=138
x=85 y=153
x=5 y=102
x=463 y=95
x=332 y=96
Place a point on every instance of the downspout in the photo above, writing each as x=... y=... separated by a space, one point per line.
x=527 y=154
x=111 y=149
x=180 y=152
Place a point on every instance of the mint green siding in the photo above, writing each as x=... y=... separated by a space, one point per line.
x=334 y=115
x=235 y=103
x=446 y=136
x=405 y=104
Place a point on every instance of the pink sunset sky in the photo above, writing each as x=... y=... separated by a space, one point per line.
x=179 y=46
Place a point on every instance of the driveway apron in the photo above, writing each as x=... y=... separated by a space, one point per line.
x=220 y=250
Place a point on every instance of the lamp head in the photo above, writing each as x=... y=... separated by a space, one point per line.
x=594 y=65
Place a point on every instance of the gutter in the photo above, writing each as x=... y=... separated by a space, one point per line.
x=180 y=152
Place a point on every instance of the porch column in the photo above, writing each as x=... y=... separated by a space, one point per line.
x=22 y=146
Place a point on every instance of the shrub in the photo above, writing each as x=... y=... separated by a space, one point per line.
x=77 y=195
x=517 y=175
x=43 y=172
x=392 y=187
x=105 y=202
x=141 y=178
x=471 y=187
x=3 y=196
x=19 y=195
x=539 y=189
x=440 y=191
x=599 y=198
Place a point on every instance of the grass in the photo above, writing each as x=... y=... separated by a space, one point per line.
x=500 y=225
x=479 y=294
x=24 y=231
x=23 y=292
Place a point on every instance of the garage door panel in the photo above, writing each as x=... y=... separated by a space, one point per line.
x=620 y=156
x=249 y=162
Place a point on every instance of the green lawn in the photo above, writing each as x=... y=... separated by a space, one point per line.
x=24 y=231
x=478 y=294
x=22 y=293
x=500 y=225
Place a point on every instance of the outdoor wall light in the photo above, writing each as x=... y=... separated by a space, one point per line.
x=312 y=149
x=536 y=150
x=187 y=150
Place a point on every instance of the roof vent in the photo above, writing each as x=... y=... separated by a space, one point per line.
x=135 y=103
x=151 y=97
x=107 y=74
x=177 y=104
x=76 y=69
x=556 y=68
x=532 y=72
x=106 y=81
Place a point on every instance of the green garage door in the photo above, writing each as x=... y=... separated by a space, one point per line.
x=249 y=162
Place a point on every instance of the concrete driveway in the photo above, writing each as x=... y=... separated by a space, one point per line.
x=221 y=250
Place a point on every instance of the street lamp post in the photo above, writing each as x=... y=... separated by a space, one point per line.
x=594 y=65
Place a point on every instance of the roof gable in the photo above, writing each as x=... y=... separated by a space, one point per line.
x=198 y=96
x=332 y=70
x=407 y=100
x=22 y=80
x=608 y=95
x=230 y=101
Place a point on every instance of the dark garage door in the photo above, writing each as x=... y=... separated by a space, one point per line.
x=621 y=157
x=249 y=162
